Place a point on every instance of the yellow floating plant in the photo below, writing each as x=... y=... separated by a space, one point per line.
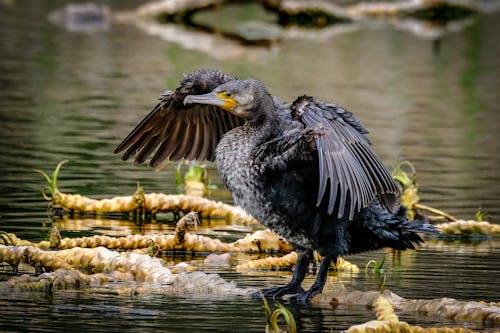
x=59 y=279
x=263 y=241
x=139 y=203
x=180 y=240
x=384 y=310
x=383 y=304
x=470 y=227
x=454 y=309
x=286 y=261
x=289 y=260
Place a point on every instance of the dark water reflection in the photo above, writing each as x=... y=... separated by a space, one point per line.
x=74 y=96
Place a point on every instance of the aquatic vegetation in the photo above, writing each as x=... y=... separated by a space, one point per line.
x=153 y=249
x=263 y=241
x=92 y=262
x=85 y=268
x=5 y=238
x=180 y=240
x=377 y=270
x=169 y=242
x=286 y=261
x=289 y=260
x=383 y=310
x=190 y=242
x=52 y=181
x=453 y=309
x=141 y=204
x=388 y=321
x=410 y=198
x=193 y=182
x=469 y=228
x=479 y=215
x=294 y=19
x=455 y=227
x=384 y=305
x=59 y=279
x=138 y=204
x=272 y=318
x=63 y=270
x=377 y=266
x=189 y=220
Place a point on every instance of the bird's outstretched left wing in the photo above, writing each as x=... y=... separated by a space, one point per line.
x=347 y=162
x=176 y=131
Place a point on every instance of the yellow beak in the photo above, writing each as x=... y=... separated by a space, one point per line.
x=218 y=99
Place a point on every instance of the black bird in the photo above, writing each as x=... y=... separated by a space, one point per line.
x=306 y=170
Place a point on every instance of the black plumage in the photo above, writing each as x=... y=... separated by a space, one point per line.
x=306 y=170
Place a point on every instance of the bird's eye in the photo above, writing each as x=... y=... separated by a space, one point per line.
x=228 y=94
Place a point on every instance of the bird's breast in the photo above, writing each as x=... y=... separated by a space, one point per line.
x=284 y=201
x=235 y=164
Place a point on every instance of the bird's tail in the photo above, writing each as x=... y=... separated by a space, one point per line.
x=409 y=231
x=378 y=228
x=423 y=227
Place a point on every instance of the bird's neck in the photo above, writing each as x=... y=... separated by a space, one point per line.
x=267 y=115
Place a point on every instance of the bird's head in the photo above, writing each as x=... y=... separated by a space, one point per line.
x=243 y=98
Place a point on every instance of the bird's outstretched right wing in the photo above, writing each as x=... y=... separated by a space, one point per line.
x=176 y=131
x=347 y=162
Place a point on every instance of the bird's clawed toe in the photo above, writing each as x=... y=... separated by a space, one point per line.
x=304 y=298
x=298 y=294
x=290 y=288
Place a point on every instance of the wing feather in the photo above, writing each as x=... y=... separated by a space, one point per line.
x=197 y=139
x=175 y=131
x=323 y=170
x=148 y=148
x=346 y=160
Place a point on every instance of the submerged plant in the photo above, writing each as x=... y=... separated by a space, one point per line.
x=272 y=318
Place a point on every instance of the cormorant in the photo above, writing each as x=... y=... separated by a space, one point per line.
x=306 y=170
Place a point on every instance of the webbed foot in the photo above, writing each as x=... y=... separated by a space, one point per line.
x=305 y=297
x=317 y=287
x=290 y=288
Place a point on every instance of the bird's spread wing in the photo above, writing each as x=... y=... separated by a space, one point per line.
x=176 y=131
x=347 y=162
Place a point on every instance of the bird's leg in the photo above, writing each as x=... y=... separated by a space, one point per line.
x=294 y=286
x=317 y=287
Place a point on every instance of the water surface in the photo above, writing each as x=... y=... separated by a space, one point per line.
x=74 y=96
